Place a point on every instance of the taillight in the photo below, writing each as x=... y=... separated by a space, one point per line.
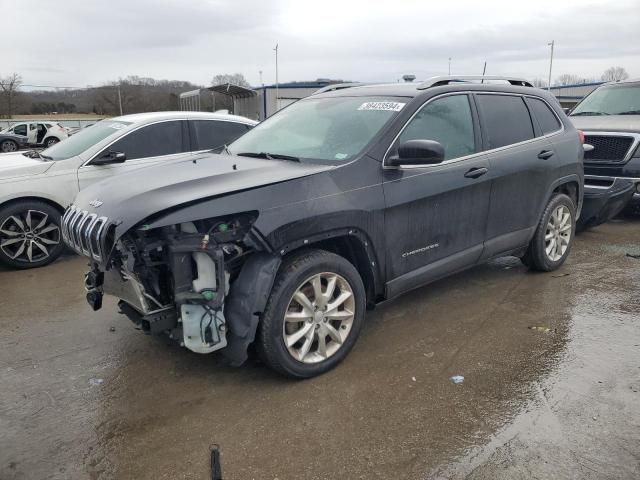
x=581 y=135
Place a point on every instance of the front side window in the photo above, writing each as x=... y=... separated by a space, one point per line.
x=547 y=120
x=155 y=140
x=20 y=129
x=447 y=120
x=212 y=134
x=328 y=130
x=506 y=120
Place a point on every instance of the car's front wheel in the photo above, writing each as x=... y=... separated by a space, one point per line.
x=554 y=235
x=30 y=234
x=314 y=314
x=8 y=146
x=50 y=141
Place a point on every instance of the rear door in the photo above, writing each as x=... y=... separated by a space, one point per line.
x=522 y=163
x=435 y=215
x=148 y=145
x=215 y=134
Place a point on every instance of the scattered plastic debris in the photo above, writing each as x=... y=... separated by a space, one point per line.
x=559 y=275
x=457 y=379
x=96 y=381
x=538 y=328
x=413 y=379
x=430 y=354
x=216 y=467
x=112 y=329
x=632 y=255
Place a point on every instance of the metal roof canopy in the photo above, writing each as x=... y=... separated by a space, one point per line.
x=235 y=91
x=447 y=79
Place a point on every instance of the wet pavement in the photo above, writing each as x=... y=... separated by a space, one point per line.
x=84 y=395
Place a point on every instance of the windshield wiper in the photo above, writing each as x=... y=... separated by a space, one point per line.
x=269 y=156
x=588 y=113
x=36 y=154
x=630 y=112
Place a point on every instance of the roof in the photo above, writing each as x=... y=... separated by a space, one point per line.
x=237 y=91
x=574 y=85
x=155 y=116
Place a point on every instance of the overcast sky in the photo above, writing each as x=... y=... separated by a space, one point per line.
x=87 y=42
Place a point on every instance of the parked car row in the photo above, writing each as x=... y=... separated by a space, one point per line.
x=221 y=235
x=38 y=134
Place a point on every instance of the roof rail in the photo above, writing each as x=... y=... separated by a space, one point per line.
x=337 y=86
x=447 y=79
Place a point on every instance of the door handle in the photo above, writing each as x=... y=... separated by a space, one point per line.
x=545 y=154
x=476 y=172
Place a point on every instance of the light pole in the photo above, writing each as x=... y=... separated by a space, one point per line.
x=276 y=50
x=449 y=65
x=552 y=44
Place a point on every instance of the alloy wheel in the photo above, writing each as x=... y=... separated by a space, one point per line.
x=9 y=146
x=27 y=237
x=558 y=233
x=319 y=317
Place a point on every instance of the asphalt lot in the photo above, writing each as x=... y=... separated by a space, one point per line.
x=561 y=400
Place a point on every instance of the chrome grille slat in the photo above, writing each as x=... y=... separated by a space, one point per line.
x=82 y=231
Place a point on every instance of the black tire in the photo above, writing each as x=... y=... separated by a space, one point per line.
x=50 y=141
x=7 y=146
x=536 y=257
x=49 y=238
x=294 y=271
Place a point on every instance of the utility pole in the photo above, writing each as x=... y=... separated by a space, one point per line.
x=550 y=64
x=119 y=99
x=260 y=72
x=276 y=50
x=449 y=65
x=484 y=70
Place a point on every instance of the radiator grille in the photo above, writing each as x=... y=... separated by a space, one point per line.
x=607 y=148
x=82 y=232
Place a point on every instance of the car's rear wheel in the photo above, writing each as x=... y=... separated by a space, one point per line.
x=8 y=146
x=50 y=141
x=554 y=235
x=314 y=314
x=30 y=234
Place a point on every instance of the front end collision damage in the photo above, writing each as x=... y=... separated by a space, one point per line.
x=203 y=283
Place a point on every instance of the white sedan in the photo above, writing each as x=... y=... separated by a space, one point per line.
x=35 y=188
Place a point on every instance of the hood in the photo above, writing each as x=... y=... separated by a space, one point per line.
x=129 y=198
x=608 y=123
x=17 y=165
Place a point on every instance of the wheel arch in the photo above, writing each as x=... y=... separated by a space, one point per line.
x=33 y=198
x=572 y=186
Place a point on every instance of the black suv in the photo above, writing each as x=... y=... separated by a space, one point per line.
x=335 y=203
x=610 y=118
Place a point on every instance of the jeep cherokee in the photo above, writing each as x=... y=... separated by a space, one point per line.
x=335 y=203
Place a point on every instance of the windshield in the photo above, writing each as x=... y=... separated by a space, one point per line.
x=333 y=129
x=611 y=100
x=78 y=143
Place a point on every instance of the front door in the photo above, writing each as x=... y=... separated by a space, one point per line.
x=146 y=146
x=436 y=215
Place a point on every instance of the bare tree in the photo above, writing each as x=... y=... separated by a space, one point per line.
x=568 y=79
x=539 y=83
x=9 y=86
x=614 y=74
x=233 y=78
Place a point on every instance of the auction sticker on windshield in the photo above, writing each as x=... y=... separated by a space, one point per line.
x=382 y=106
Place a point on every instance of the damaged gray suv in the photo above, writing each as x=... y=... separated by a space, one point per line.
x=337 y=202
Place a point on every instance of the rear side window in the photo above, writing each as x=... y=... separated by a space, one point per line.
x=212 y=134
x=506 y=120
x=20 y=129
x=447 y=120
x=163 y=138
x=546 y=118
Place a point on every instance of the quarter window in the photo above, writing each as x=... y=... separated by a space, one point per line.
x=447 y=120
x=211 y=134
x=155 y=140
x=506 y=120
x=546 y=118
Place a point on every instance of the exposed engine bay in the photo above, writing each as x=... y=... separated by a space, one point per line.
x=175 y=280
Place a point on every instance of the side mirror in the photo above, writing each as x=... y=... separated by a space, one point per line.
x=108 y=158
x=418 y=152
